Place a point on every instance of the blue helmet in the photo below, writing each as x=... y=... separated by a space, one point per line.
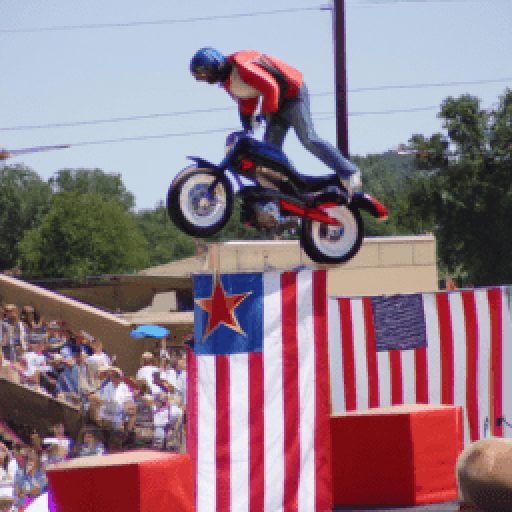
x=209 y=65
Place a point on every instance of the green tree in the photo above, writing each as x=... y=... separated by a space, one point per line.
x=165 y=241
x=81 y=235
x=24 y=199
x=387 y=176
x=93 y=181
x=465 y=193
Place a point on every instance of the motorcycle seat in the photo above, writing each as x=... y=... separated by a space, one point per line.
x=318 y=182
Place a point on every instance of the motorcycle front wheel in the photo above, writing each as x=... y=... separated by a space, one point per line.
x=196 y=208
x=325 y=243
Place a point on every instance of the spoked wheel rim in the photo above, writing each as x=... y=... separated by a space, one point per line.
x=200 y=206
x=336 y=241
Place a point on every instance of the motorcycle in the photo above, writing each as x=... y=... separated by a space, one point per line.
x=274 y=197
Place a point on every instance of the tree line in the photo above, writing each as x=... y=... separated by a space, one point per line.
x=456 y=184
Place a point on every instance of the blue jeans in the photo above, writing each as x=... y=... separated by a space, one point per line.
x=297 y=113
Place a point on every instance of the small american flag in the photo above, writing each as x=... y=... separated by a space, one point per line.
x=438 y=348
x=258 y=393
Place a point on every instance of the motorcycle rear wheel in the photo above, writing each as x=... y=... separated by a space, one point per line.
x=333 y=244
x=193 y=208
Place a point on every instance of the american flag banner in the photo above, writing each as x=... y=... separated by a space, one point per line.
x=258 y=393
x=451 y=348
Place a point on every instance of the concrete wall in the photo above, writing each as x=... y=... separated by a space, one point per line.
x=384 y=265
x=388 y=265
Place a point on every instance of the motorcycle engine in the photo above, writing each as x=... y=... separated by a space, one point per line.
x=268 y=217
x=269 y=178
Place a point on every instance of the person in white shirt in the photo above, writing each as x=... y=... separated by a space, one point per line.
x=147 y=369
x=181 y=379
x=116 y=397
x=16 y=332
x=36 y=364
x=96 y=361
x=6 y=475
x=167 y=372
x=65 y=443
x=166 y=413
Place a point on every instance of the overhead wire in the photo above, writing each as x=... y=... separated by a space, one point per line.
x=95 y=26
x=221 y=109
x=132 y=24
x=321 y=116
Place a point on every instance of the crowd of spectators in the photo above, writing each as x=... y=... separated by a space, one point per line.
x=119 y=412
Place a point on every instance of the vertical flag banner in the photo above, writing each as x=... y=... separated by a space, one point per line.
x=451 y=348
x=258 y=393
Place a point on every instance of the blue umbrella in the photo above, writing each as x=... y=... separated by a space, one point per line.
x=149 y=331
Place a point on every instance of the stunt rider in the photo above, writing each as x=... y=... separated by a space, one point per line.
x=248 y=76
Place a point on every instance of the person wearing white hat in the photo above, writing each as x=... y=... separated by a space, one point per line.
x=147 y=369
x=116 y=398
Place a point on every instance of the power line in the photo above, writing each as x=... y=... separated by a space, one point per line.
x=220 y=109
x=435 y=84
x=115 y=119
x=131 y=24
x=138 y=138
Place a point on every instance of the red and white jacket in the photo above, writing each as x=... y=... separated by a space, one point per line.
x=256 y=75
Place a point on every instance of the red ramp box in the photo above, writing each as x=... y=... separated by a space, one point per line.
x=138 y=481
x=401 y=455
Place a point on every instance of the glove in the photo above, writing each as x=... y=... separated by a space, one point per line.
x=246 y=120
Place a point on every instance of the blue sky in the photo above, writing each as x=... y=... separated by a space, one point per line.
x=88 y=74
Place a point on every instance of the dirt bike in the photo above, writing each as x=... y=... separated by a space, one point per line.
x=275 y=197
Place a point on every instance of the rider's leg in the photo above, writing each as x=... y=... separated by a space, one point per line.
x=276 y=130
x=298 y=114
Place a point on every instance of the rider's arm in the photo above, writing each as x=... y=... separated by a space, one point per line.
x=260 y=79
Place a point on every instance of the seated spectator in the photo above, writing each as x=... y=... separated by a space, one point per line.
x=84 y=339
x=181 y=378
x=8 y=370
x=140 y=417
x=6 y=477
x=55 y=339
x=36 y=442
x=167 y=372
x=16 y=332
x=33 y=482
x=166 y=413
x=54 y=454
x=68 y=382
x=116 y=398
x=85 y=383
x=90 y=444
x=4 y=333
x=28 y=317
x=16 y=464
x=71 y=344
x=37 y=369
x=96 y=361
x=59 y=438
x=147 y=369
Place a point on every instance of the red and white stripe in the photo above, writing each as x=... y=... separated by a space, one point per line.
x=468 y=355
x=258 y=423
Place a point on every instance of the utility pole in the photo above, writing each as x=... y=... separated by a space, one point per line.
x=340 y=68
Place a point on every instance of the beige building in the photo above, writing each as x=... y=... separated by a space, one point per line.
x=384 y=265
